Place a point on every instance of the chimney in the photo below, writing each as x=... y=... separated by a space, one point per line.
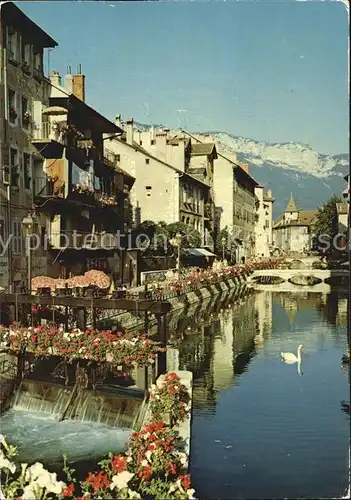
x=78 y=84
x=55 y=78
x=69 y=83
x=166 y=131
x=245 y=167
x=130 y=131
x=269 y=193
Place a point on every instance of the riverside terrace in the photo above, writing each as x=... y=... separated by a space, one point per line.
x=23 y=340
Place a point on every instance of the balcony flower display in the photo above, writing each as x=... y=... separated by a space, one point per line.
x=107 y=200
x=117 y=348
x=79 y=188
x=73 y=131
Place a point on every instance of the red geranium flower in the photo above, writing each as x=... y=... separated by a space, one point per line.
x=68 y=491
x=119 y=463
x=185 y=481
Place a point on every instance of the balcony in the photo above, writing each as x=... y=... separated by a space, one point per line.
x=45 y=187
x=48 y=139
x=76 y=240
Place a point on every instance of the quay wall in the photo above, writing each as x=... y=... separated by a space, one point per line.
x=134 y=321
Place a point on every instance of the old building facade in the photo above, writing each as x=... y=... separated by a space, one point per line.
x=165 y=189
x=263 y=222
x=22 y=82
x=293 y=230
x=78 y=188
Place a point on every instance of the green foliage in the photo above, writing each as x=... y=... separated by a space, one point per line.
x=327 y=217
x=159 y=237
x=327 y=222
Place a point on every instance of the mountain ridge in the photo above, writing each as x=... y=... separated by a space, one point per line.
x=285 y=168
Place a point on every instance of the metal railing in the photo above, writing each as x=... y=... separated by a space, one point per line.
x=43 y=186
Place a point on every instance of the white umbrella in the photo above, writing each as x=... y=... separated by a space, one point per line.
x=55 y=110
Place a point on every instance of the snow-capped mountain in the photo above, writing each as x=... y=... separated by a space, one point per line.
x=285 y=168
x=291 y=155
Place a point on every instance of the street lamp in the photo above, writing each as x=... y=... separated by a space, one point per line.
x=29 y=225
x=176 y=241
x=223 y=241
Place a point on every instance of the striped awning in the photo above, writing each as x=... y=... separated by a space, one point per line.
x=199 y=252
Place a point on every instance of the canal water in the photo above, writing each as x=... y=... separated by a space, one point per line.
x=262 y=428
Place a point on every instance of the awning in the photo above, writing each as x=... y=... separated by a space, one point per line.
x=199 y=252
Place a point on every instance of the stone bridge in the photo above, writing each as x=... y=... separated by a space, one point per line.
x=316 y=280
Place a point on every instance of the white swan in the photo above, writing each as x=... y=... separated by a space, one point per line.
x=290 y=357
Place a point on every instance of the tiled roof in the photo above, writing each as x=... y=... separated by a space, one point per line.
x=291 y=207
x=204 y=149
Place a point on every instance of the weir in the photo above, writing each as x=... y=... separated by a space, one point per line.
x=70 y=403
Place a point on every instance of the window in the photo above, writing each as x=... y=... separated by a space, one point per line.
x=38 y=63
x=148 y=190
x=147 y=161
x=27 y=171
x=25 y=54
x=14 y=167
x=118 y=157
x=153 y=142
x=12 y=48
x=17 y=237
x=24 y=112
x=2 y=233
x=12 y=106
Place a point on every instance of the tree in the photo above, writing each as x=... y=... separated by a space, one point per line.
x=229 y=246
x=326 y=227
x=191 y=237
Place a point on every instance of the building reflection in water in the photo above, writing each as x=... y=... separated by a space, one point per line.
x=217 y=340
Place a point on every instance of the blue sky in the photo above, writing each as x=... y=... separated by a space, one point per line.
x=273 y=71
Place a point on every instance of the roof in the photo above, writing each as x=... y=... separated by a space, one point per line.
x=291 y=206
x=176 y=140
x=81 y=109
x=304 y=218
x=13 y=16
x=204 y=149
x=342 y=208
x=199 y=252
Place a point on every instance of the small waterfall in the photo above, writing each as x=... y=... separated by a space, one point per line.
x=52 y=400
x=114 y=410
x=42 y=397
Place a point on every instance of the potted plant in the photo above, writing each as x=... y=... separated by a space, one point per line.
x=13 y=114
x=26 y=118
